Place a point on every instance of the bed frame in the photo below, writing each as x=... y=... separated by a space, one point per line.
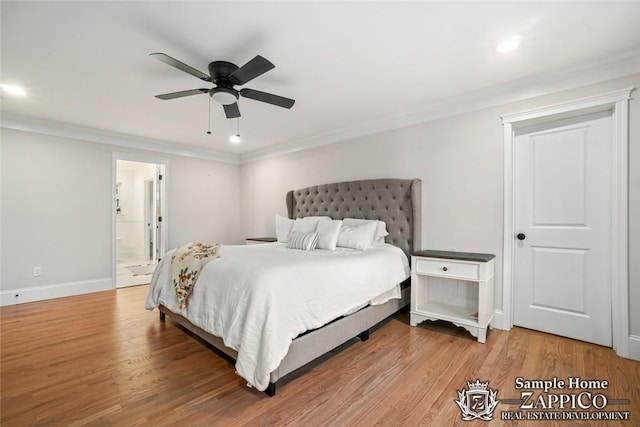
x=395 y=201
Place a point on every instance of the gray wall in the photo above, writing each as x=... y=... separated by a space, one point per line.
x=460 y=162
x=56 y=207
x=54 y=210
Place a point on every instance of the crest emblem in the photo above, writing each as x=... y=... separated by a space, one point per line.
x=477 y=401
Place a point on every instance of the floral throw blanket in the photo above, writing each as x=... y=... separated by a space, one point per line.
x=187 y=262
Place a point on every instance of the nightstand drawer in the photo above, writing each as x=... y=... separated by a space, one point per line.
x=445 y=268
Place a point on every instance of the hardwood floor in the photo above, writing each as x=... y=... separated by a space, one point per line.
x=101 y=359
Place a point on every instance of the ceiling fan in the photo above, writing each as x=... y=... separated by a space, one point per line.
x=225 y=75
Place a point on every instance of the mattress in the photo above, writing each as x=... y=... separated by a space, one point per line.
x=258 y=298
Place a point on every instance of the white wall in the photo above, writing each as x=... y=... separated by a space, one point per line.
x=460 y=162
x=57 y=213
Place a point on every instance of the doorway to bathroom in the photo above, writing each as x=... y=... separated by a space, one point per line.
x=139 y=199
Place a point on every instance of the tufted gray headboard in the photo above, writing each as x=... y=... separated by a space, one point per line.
x=397 y=202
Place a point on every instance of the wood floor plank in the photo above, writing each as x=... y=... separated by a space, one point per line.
x=101 y=359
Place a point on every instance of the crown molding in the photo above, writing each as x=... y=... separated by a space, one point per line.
x=578 y=75
x=595 y=103
x=48 y=127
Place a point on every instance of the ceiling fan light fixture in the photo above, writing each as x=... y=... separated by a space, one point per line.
x=224 y=96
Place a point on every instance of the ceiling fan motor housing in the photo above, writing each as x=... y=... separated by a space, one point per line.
x=220 y=71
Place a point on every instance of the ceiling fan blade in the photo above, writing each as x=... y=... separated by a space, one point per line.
x=181 y=66
x=252 y=69
x=231 y=110
x=269 y=98
x=180 y=94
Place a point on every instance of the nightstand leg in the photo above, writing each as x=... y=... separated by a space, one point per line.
x=413 y=321
x=482 y=335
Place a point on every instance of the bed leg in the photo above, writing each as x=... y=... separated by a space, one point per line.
x=271 y=389
x=364 y=335
x=162 y=316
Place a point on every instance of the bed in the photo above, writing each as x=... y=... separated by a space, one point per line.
x=397 y=202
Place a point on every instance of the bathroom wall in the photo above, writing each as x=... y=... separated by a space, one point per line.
x=130 y=225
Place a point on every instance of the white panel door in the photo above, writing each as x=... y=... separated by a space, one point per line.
x=562 y=278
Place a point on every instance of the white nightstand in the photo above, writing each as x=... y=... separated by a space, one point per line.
x=259 y=240
x=453 y=286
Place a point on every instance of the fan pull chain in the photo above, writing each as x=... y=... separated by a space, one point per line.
x=236 y=138
x=209 y=131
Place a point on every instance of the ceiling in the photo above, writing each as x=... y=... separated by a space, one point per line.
x=348 y=65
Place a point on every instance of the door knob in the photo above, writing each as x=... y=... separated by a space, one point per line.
x=521 y=236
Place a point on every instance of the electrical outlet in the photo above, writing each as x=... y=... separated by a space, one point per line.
x=37 y=271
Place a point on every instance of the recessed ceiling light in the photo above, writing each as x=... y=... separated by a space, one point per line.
x=13 y=90
x=509 y=44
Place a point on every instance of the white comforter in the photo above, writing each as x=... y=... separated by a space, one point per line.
x=258 y=298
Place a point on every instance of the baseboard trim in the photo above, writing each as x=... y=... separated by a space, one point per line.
x=41 y=293
x=633 y=347
x=633 y=341
x=498 y=320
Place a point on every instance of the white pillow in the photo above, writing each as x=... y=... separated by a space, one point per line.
x=305 y=225
x=303 y=241
x=283 y=228
x=357 y=236
x=328 y=232
x=381 y=227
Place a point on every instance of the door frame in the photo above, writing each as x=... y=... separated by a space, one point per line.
x=143 y=158
x=618 y=103
x=150 y=240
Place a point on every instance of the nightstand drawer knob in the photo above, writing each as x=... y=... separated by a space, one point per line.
x=444 y=268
